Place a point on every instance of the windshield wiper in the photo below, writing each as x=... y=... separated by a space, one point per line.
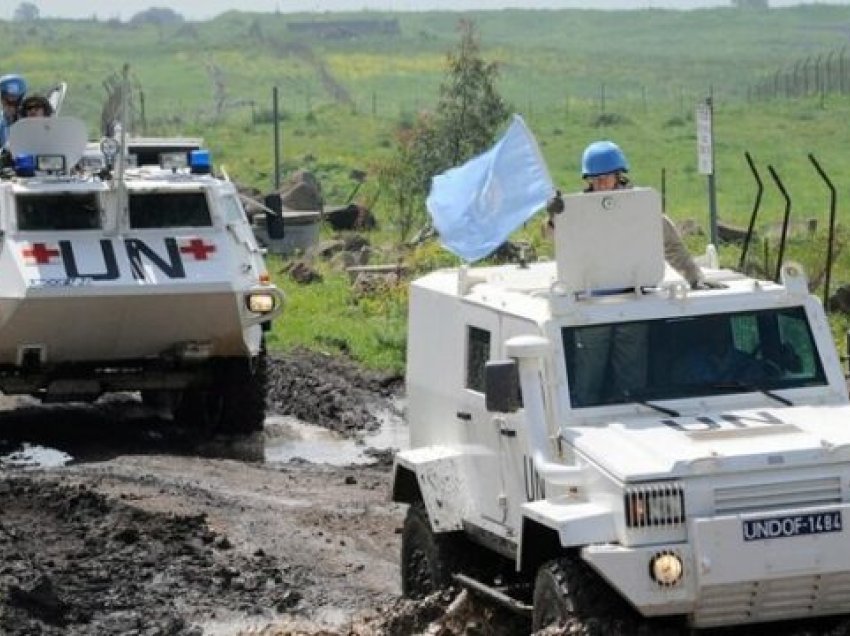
x=659 y=408
x=650 y=405
x=752 y=387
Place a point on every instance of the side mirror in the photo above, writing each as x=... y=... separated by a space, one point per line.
x=274 y=222
x=501 y=386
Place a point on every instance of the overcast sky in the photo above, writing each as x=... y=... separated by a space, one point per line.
x=203 y=9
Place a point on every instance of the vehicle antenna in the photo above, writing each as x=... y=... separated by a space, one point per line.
x=122 y=145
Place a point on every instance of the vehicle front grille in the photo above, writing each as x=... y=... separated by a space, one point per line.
x=777 y=495
x=779 y=599
x=654 y=504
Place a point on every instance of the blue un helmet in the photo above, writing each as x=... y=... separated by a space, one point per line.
x=603 y=157
x=13 y=87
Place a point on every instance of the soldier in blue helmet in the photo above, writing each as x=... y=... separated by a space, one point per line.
x=604 y=167
x=13 y=89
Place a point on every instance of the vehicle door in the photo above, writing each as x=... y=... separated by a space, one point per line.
x=482 y=437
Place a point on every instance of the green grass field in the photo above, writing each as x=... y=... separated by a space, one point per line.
x=342 y=100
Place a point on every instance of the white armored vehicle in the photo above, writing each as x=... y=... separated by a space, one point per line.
x=117 y=278
x=595 y=424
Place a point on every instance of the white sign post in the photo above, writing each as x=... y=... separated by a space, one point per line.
x=705 y=145
x=705 y=160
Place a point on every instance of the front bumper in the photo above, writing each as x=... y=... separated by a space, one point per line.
x=728 y=580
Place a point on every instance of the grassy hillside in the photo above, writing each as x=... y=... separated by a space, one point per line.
x=576 y=76
x=547 y=56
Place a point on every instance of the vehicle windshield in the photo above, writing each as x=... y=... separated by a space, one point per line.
x=169 y=209
x=691 y=356
x=58 y=211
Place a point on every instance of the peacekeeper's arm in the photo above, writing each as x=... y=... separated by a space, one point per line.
x=678 y=256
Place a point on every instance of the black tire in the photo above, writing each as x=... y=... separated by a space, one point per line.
x=428 y=560
x=244 y=396
x=235 y=404
x=567 y=589
x=199 y=410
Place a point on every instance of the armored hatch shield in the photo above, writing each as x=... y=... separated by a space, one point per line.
x=608 y=241
x=54 y=136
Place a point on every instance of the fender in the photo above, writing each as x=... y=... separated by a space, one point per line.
x=577 y=524
x=439 y=479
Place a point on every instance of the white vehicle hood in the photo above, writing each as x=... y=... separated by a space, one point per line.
x=729 y=441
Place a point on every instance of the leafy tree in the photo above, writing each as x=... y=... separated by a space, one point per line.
x=470 y=109
x=468 y=114
x=26 y=12
x=157 y=15
x=401 y=177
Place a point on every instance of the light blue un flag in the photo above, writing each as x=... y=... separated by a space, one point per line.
x=475 y=207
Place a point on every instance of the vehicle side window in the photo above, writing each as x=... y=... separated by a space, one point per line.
x=233 y=212
x=65 y=211
x=797 y=352
x=169 y=209
x=477 y=355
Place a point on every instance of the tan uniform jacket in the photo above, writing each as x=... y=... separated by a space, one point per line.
x=677 y=254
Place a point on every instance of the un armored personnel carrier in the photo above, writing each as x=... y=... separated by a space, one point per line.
x=120 y=278
x=609 y=434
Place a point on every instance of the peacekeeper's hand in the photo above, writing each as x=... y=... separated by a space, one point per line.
x=708 y=284
x=555 y=204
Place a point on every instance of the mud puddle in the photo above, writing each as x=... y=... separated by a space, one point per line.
x=288 y=438
x=81 y=433
x=34 y=456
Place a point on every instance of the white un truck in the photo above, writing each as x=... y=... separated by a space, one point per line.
x=611 y=434
x=120 y=278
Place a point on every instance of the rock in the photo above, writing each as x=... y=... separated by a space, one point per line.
x=351 y=217
x=302 y=191
x=303 y=273
x=326 y=249
x=727 y=233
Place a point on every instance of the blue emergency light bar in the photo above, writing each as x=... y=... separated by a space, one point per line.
x=25 y=165
x=200 y=162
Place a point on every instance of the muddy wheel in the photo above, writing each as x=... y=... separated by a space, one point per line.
x=427 y=559
x=566 y=589
x=244 y=395
x=233 y=403
x=199 y=409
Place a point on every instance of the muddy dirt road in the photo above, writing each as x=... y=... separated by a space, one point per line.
x=113 y=522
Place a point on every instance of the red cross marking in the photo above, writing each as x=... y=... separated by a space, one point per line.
x=39 y=254
x=198 y=249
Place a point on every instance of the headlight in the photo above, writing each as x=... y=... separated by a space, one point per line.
x=666 y=568
x=261 y=303
x=654 y=505
x=50 y=163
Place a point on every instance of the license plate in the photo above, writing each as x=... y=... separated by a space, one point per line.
x=792 y=525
